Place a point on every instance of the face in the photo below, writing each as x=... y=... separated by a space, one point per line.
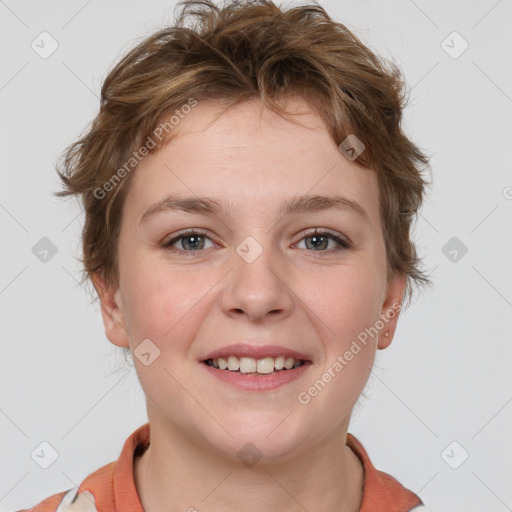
x=251 y=273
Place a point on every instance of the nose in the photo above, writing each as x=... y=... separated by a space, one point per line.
x=257 y=289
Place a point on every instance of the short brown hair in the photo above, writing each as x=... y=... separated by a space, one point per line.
x=240 y=51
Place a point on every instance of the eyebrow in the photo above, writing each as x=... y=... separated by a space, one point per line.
x=294 y=205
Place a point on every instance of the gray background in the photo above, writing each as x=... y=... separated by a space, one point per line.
x=445 y=378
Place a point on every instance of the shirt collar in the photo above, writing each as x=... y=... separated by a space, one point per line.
x=380 y=492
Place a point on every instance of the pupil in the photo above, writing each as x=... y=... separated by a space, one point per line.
x=315 y=239
x=194 y=239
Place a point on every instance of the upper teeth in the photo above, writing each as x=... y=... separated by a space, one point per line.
x=251 y=365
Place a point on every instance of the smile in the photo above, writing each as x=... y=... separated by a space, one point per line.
x=249 y=365
x=250 y=374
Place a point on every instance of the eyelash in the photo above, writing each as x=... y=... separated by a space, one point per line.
x=343 y=243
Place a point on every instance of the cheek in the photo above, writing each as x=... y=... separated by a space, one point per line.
x=345 y=299
x=160 y=301
x=347 y=308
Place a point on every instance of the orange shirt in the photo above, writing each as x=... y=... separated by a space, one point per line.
x=112 y=487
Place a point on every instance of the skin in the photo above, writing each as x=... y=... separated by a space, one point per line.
x=314 y=301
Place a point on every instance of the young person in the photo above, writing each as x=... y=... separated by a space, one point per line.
x=248 y=194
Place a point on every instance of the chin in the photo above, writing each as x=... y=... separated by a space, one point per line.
x=256 y=436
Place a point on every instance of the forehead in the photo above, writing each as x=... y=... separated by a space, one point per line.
x=251 y=156
x=249 y=125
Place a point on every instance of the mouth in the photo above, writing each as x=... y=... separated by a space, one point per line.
x=256 y=374
x=255 y=366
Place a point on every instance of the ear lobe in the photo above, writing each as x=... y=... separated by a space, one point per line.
x=391 y=309
x=111 y=312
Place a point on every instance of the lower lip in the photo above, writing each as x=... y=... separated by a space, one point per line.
x=264 y=382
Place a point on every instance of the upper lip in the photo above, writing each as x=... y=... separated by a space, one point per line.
x=256 y=352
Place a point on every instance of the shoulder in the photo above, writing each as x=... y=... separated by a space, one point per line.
x=96 y=492
x=51 y=503
x=382 y=491
x=66 y=501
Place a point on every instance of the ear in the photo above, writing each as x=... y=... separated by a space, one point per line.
x=111 y=312
x=391 y=309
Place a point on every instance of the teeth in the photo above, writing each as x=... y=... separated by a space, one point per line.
x=279 y=363
x=248 y=365
x=264 y=365
x=233 y=363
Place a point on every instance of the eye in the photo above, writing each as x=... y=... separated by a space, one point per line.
x=193 y=241
x=190 y=241
x=320 y=241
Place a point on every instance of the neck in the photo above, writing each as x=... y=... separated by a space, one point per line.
x=174 y=473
